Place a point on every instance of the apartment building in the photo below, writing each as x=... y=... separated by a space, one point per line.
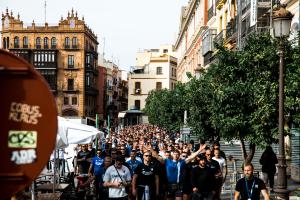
x=225 y=22
x=155 y=69
x=189 y=40
x=65 y=54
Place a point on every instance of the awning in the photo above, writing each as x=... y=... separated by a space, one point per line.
x=121 y=114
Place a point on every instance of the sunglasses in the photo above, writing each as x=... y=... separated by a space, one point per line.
x=147 y=155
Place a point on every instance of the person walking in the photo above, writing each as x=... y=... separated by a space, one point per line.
x=250 y=187
x=95 y=171
x=202 y=179
x=268 y=161
x=117 y=177
x=145 y=182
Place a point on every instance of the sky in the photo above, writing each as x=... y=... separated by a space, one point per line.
x=123 y=27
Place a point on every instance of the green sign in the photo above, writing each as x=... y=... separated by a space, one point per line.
x=22 y=139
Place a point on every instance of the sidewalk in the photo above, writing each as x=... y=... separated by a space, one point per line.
x=293 y=187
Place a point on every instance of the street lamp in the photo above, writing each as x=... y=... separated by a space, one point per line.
x=281 y=24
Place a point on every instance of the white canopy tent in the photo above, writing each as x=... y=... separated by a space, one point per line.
x=73 y=133
x=69 y=132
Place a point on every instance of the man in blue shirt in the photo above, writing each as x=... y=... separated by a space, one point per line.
x=96 y=170
x=175 y=173
x=133 y=162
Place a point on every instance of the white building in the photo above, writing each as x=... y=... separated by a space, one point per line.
x=155 y=69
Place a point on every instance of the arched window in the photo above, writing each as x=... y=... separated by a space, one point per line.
x=4 y=43
x=25 y=42
x=38 y=43
x=16 y=42
x=67 y=42
x=74 y=42
x=46 y=43
x=53 y=43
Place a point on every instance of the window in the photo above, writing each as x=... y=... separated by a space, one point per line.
x=74 y=100
x=4 y=43
x=66 y=100
x=74 y=42
x=70 y=61
x=165 y=50
x=88 y=79
x=16 y=42
x=53 y=43
x=158 y=70
x=137 y=104
x=137 y=89
x=70 y=84
x=46 y=43
x=158 y=85
x=67 y=42
x=25 y=42
x=38 y=43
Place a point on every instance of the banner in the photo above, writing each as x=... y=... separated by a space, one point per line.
x=253 y=12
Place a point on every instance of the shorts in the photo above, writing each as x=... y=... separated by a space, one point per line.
x=174 y=190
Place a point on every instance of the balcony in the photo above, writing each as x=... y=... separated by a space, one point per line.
x=71 y=89
x=219 y=39
x=231 y=31
x=208 y=38
x=71 y=68
x=38 y=46
x=89 y=68
x=90 y=90
x=25 y=46
x=53 y=46
x=210 y=13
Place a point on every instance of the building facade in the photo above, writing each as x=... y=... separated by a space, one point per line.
x=155 y=69
x=225 y=22
x=189 y=40
x=65 y=54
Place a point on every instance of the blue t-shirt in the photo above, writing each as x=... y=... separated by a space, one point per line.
x=174 y=170
x=96 y=164
x=133 y=165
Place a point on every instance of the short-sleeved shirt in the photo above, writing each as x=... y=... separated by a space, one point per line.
x=84 y=164
x=111 y=175
x=96 y=164
x=133 y=165
x=146 y=174
x=255 y=183
x=175 y=170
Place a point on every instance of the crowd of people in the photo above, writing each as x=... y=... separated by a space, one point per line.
x=145 y=162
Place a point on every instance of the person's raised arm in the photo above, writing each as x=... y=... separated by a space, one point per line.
x=193 y=155
x=155 y=155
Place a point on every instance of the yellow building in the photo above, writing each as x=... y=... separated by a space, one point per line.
x=65 y=54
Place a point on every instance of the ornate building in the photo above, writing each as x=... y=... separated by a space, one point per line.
x=65 y=54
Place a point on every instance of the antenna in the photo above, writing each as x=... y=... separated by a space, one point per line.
x=45 y=11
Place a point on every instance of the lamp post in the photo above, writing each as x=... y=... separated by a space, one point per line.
x=281 y=23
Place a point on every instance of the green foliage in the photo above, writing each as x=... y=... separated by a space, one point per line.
x=165 y=108
x=236 y=97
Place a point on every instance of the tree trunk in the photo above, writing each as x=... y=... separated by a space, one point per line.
x=247 y=156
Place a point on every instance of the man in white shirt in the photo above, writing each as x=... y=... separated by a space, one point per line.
x=223 y=168
x=117 y=177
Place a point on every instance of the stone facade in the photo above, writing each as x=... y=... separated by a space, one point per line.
x=65 y=54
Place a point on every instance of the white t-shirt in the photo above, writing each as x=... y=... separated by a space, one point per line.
x=111 y=175
x=221 y=162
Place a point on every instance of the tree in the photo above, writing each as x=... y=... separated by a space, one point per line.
x=165 y=108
